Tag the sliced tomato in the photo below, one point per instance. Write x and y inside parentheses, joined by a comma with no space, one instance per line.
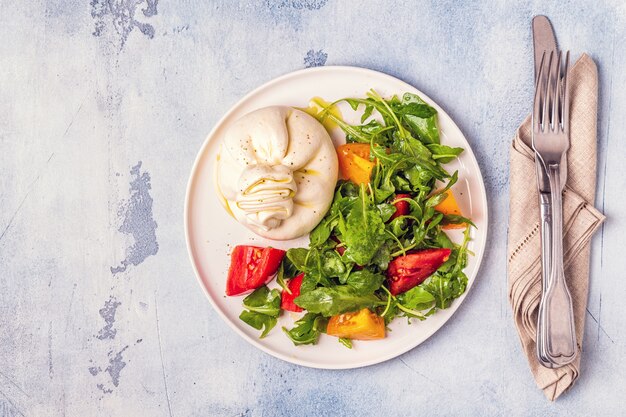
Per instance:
(251,267)
(410,270)
(402,207)
(286,299)
(362,325)
(354,162)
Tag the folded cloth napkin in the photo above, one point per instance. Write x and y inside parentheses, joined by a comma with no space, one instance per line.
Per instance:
(580,221)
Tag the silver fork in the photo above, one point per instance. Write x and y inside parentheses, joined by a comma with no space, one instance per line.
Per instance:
(556,340)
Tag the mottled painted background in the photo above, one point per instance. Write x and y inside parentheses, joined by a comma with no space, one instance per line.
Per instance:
(103,106)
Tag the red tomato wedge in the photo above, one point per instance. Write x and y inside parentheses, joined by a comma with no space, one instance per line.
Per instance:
(402,207)
(286,299)
(251,267)
(406,272)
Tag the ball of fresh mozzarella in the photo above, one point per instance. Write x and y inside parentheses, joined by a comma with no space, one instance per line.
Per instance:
(276,172)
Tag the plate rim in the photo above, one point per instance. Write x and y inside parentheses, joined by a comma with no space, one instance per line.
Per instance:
(192,179)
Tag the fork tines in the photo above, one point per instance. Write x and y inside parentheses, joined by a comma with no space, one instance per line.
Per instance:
(551,96)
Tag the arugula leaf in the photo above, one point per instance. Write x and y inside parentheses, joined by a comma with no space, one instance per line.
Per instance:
(410,146)
(383,184)
(436,199)
(446,288)
(411,98)
(349,189)
(298,257)
(456,219)
(443,241)
(344,199)
(307,329)
(383,256)
(391,310)
(442,153)
(365,281)
(289,269)
(385,110)
(368,133)
(421,110)
(462,255)
(424,128)
(330,301)
(346,342)
(418,178)
(367,113)
(386,211)
(364,231)
(400,225)
(417,298)
(263,308)
(434,221)
(333,266)
(280,278)
(440,195)
(263,301)
(322,231)
(314,270)
(259,321)
(309,283)
(413,154)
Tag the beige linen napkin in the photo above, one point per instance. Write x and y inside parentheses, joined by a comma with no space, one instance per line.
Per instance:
(580,221)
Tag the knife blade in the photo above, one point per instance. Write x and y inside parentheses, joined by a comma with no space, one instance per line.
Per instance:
(543,39)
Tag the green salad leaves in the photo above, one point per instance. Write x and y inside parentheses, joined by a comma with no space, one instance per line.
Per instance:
(263,309)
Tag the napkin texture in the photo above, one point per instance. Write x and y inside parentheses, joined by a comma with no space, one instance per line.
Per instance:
(580,221)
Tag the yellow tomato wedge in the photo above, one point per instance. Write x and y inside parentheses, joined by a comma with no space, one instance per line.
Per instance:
(362,325)
(450,206)
(354,162)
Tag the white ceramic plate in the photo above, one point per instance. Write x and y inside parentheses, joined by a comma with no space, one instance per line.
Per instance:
(211,233)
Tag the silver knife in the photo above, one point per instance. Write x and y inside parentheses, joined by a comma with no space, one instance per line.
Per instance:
(544,42)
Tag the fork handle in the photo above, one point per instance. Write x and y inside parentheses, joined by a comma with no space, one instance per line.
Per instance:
(545,205)
(556,306)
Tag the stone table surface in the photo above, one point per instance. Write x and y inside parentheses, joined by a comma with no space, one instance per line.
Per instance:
(103,107)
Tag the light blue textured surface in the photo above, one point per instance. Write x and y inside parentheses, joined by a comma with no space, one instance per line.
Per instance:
(103,106)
